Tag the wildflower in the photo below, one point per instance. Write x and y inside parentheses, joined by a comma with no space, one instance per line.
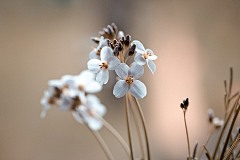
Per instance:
(129,81)
(95,53)
(142,56)
(101,67)
(217,122)
(87,112)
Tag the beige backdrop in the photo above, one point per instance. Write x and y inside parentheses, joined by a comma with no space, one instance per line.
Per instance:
(196,42)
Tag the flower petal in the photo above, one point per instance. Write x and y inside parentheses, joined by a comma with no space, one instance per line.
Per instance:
(151,66)
(55,83)
(100,109)
(93,54)
(84,77)
(92,87)
(120,88)
(122,70)
(77,117)
(113,62)
(94,124)
(93,99)
(44,111)
(102,76)
(139,59)
(153,56)
(138,89)
(93,65)
(139,45)
(106,52)
(136,71)
(102,43)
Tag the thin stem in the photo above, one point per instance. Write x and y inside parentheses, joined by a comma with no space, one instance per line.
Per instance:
(144,126)
(230,82)
(209,155)
(128,126)
(137,125)
(115,134)
(184,113)
(225,125)
(229,131)
(206,139)
(102,143)
(234,145)
(126,59)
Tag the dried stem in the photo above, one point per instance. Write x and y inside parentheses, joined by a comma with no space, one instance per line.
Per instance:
(189,155)
(224,126)
(234,145)
(137,126)
(209,155)
(115,134)
(101,142)
(128,126)
(230,131)
(144,126)
(206,139)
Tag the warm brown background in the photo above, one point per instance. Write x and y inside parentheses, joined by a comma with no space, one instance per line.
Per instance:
(196,42)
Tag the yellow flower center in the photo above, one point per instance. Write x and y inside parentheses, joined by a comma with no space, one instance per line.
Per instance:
(129,80)
(104,65)
(145,55)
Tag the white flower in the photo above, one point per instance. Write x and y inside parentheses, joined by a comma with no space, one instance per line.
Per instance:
(87,112)
(142,56)
(94,54)
(46,101)
(101,67)
(130,82)
(86,82)
(217,122)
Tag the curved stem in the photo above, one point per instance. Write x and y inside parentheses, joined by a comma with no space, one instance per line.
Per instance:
(137,125)
(101,142)
(184,113)
(144,126)
(128,125)
(115,134)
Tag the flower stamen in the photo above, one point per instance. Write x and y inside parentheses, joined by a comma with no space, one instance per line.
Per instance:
(104,65)
(129,79)
(145,55)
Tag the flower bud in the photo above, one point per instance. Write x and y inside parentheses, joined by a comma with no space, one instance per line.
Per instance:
(110,30)
(116,51)
(210,115)
(95,39)
(114,27)
(182,106)
(127,41)
(132,50)
(120,46)
(110,44)
(186,102)
(120,35)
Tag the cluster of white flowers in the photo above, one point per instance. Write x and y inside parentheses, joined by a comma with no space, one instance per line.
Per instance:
(73,93)
(112,53)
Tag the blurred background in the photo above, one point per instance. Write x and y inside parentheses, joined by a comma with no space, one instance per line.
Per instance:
(196,42)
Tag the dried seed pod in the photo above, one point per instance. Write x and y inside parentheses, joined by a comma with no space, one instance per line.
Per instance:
(186,102)
(182,106)
(132,50)
(115,29)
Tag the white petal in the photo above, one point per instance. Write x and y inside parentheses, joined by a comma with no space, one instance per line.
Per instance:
(77,117)
(106,52)
(153,56)
(151,66)
(93,65)
(93,54)
(102,76)
(102,43)
(138,89)
(139,59)
(93,99)
(68,80)
(122,70)
(55,83)
(44,111)
(84,77)
(92,87)
(94,124)
(139,46)
(136,71)
(120,88)
(100,109)
(113,62)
